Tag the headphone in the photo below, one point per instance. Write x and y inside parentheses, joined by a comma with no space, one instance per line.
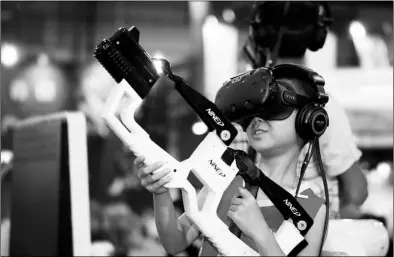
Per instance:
(261,93)
(311,122)
(320,29)
(267,29)
(312,119)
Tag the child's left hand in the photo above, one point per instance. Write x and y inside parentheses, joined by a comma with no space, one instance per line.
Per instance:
(246,213)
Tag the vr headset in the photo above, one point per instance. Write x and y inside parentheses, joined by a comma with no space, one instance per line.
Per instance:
(257,93)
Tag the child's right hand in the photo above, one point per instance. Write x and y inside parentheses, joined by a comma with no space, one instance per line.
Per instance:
(152,179)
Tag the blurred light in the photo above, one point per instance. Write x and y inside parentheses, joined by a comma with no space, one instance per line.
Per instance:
(39,89)
(220,44)
(9,55)
(211,21)
(45,90)
(157,63)
(96,81)
(43,59)
(102,248)
(384,170)
(19,90)
(361,42)
(158,66)
(6,156)
(248,67)
(357,29)
(228,15)
(198,9)
(199,128)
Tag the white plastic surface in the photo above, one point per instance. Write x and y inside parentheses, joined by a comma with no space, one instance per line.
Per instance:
(205,162)
(357,237)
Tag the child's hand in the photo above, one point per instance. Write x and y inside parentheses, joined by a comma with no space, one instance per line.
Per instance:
(246,213)
(151,177)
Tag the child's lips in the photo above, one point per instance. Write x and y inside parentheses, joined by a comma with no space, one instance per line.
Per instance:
(259,132)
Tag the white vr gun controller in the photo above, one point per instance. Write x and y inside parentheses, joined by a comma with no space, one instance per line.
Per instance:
(205,162)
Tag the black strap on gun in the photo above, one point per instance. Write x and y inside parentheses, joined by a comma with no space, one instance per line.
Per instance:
(288,206)
(205,109)
(115,55)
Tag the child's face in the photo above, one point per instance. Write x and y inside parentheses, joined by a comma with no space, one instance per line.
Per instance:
(272,137)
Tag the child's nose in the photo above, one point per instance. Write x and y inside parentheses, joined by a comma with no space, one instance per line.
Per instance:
(257,120)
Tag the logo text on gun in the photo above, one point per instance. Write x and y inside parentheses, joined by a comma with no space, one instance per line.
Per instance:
(214,117)
(216,168)
(292,209)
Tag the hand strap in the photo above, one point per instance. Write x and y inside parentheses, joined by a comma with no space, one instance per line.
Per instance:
(244,165)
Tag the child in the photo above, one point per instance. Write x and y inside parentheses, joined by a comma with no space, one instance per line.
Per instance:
(279,146)
(341,157)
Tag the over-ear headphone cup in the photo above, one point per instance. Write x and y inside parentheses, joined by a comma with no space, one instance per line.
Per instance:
(300,123)
(311,122)
(318,38)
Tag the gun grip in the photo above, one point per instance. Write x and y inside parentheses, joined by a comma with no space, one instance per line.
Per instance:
(253,189)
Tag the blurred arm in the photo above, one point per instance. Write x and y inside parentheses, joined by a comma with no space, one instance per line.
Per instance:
(174,236)
(341,156)
(353,191)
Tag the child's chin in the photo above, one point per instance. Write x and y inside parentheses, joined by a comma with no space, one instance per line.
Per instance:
(264,148)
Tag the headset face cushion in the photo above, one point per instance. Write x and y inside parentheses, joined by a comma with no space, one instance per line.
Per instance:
(280,112)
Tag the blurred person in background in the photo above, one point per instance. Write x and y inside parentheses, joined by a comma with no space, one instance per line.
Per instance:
(122,226)
(281,32)
(101,142)
(130,233)
(101,243)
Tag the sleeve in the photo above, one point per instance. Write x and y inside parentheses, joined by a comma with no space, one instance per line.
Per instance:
(338,146)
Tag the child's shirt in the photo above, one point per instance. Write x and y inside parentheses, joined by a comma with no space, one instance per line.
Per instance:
(308,200)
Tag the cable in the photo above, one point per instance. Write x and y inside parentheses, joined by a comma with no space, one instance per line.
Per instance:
(323,175)
(307,159)
(314,148)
